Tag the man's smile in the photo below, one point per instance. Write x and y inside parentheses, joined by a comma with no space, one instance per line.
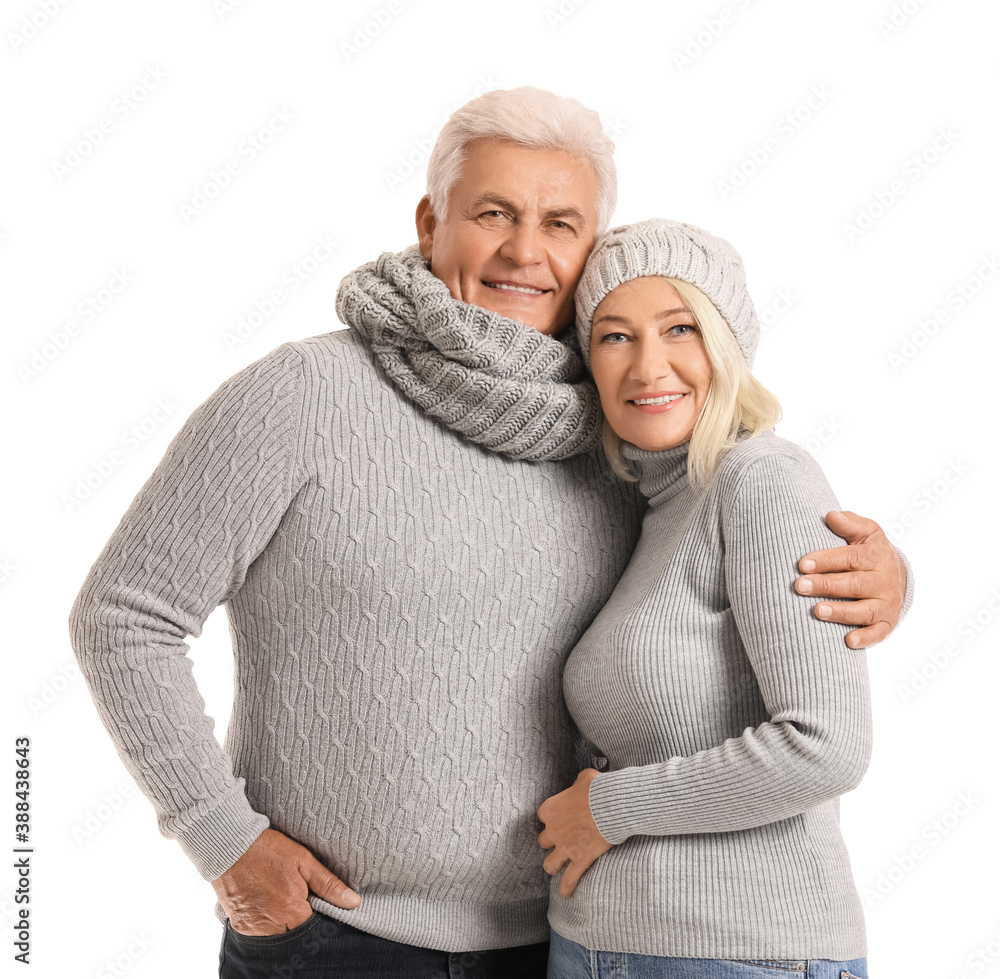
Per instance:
(514,287)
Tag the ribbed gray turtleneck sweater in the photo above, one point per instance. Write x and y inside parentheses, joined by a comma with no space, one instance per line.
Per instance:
(732,720)
(401,602)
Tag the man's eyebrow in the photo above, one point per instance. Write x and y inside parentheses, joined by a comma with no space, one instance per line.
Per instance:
(494,199)
(503,203)
(612,318)
(567,212)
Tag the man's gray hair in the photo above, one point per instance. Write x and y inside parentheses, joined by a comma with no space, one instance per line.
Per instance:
(530,117)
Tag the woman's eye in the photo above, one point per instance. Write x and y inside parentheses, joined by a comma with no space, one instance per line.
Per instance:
(682,330)
(613,338)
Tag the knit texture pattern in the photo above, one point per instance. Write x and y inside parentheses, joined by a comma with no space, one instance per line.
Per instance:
(671,248)
(491,379)
(732,721)
(401,602)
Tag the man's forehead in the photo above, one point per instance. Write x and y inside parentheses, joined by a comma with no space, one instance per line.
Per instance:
(523,177)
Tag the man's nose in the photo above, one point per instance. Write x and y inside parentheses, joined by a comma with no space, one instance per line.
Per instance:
(522,245)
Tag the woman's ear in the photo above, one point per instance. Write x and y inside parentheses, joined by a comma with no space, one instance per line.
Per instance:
(426,223)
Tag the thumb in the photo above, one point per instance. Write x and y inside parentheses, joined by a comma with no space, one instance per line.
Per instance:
(850,526)
(327,885)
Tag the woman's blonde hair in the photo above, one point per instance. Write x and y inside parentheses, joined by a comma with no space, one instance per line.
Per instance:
(737,402)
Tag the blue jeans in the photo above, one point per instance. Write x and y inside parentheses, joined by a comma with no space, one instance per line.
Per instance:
(569,960)
(323,948)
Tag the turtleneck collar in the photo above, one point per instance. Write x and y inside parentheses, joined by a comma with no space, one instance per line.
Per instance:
(662,475)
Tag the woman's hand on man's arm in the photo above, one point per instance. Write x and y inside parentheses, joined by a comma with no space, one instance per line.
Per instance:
(866,569)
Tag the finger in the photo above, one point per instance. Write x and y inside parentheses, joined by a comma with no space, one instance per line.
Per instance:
(869,636)
(553,862)
(570,879)
(851,526)
(871,615)
(545,840)
(847,557)
(864,613)
(328,886)
(849,584)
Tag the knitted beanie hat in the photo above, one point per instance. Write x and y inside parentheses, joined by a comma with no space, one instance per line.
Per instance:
(662,247)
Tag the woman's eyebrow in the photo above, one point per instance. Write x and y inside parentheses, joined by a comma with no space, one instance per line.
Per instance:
(613,318)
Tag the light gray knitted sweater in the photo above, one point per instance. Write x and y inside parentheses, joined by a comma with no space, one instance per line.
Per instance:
(401,602)
(732,720)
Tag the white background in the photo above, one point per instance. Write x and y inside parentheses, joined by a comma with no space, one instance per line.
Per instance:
(902,420)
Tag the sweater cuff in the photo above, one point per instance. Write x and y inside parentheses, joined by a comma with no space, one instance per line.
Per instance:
(222,835)
(908,597)
(613,803)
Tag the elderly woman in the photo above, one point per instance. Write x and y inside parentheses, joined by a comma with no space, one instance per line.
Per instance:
(732,720)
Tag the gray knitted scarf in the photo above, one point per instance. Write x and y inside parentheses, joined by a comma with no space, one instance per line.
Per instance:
(497,382)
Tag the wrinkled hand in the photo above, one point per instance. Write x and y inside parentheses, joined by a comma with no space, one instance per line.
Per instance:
(571,830)
(266,891)
(866,569)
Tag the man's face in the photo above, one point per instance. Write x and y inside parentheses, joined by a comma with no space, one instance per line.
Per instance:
(521,223)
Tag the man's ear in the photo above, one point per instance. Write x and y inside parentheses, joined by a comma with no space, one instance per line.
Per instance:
(426,223)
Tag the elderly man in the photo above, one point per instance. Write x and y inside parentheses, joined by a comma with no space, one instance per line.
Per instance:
(410,525)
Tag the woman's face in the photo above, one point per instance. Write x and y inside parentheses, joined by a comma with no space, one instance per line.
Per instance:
(650,364)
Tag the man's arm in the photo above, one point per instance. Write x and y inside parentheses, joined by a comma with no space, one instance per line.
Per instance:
(867,569)
(185,546)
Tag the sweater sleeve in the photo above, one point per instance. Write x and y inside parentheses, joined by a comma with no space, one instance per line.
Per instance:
(184,547)
(817,743)
(908,597)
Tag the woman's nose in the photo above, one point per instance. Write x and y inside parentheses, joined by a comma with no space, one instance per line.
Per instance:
(650,361)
